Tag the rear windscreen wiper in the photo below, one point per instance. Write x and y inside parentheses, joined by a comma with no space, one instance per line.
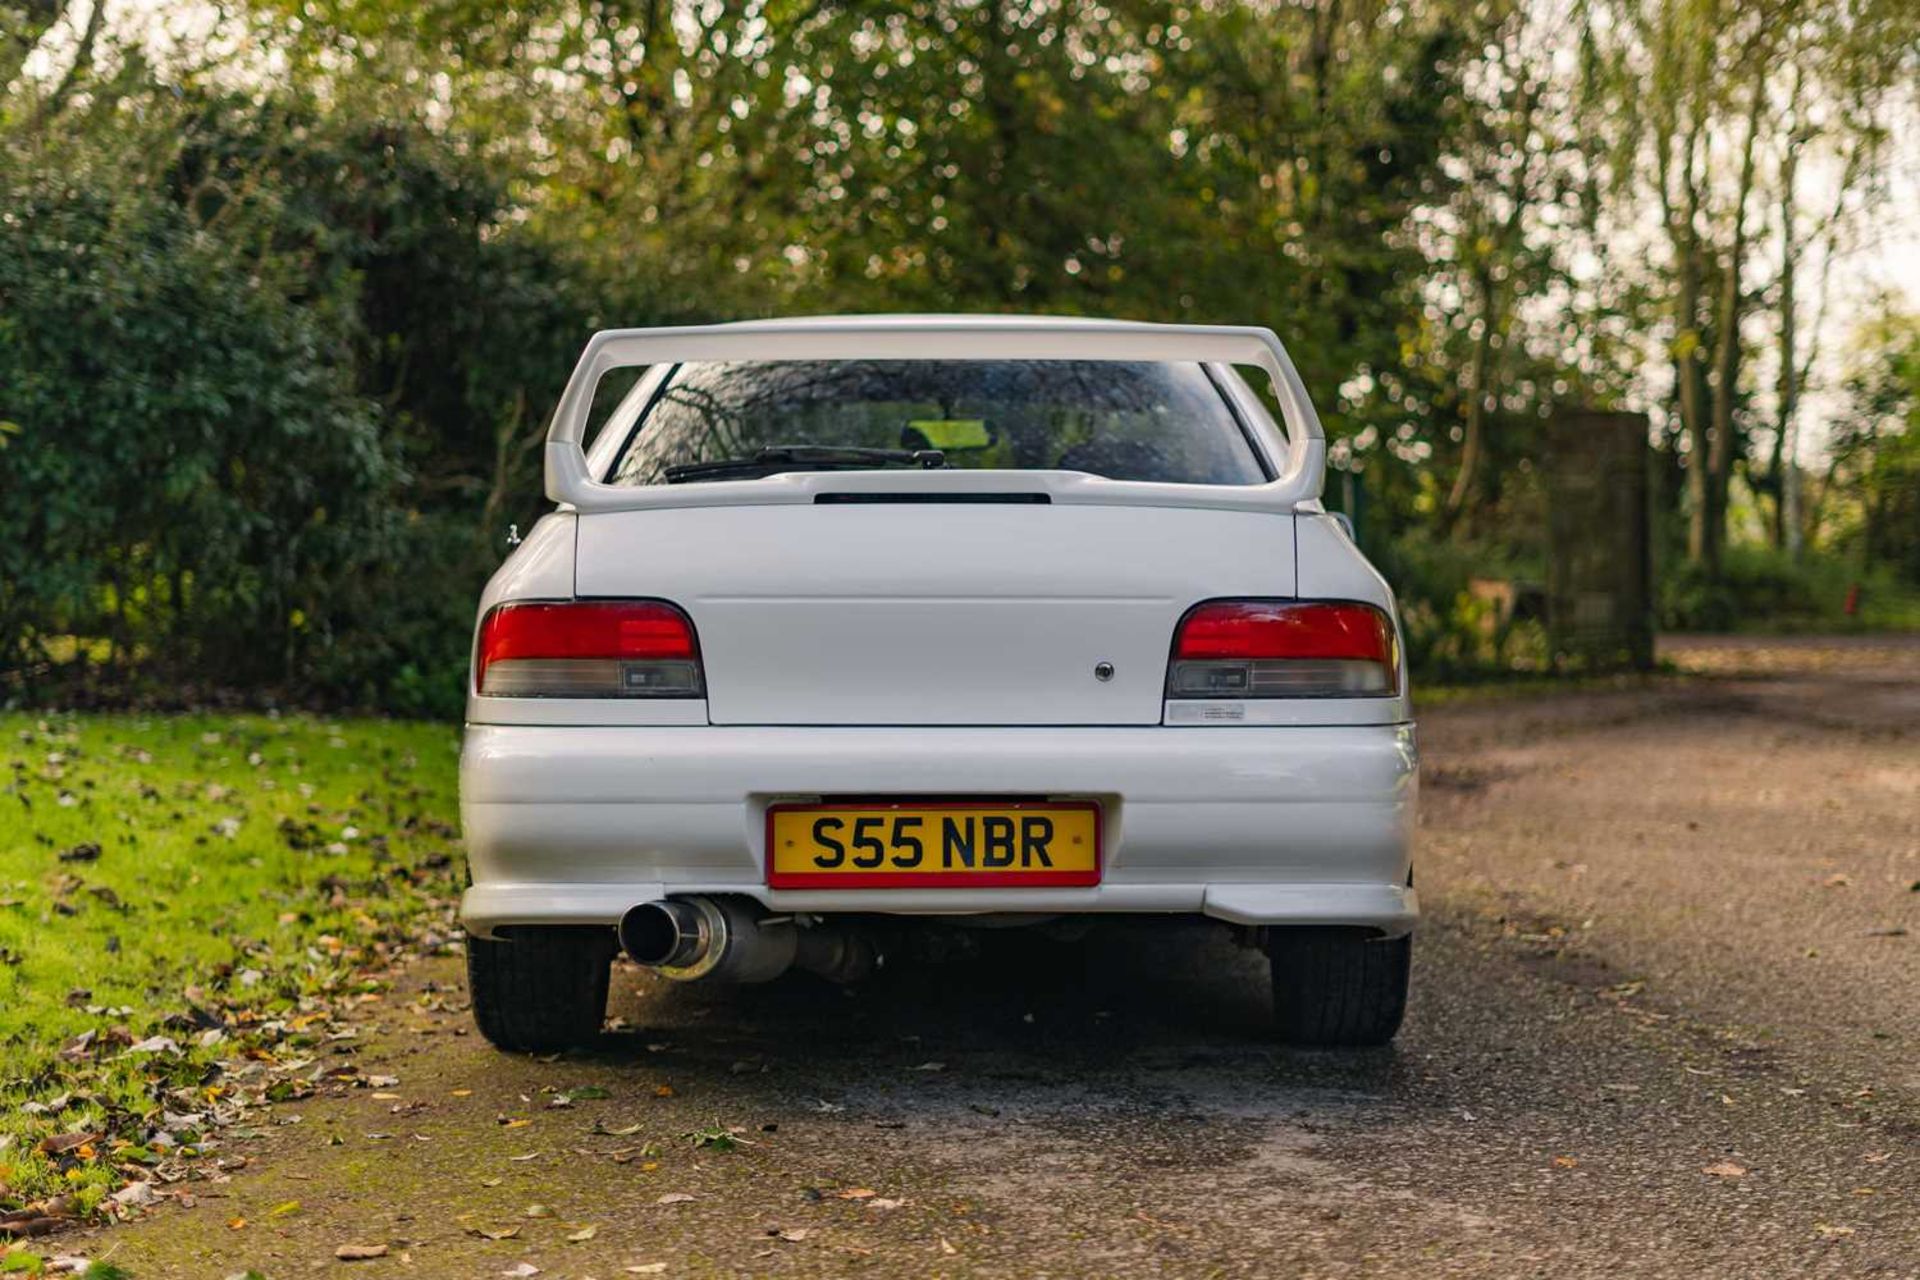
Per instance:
(776,458)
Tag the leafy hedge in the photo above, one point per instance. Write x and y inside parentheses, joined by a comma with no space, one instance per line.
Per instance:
(193,465)
(1764,590)
(267,389)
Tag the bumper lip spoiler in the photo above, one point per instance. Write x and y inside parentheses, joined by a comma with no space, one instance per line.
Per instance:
(1392,909)
(1300,457)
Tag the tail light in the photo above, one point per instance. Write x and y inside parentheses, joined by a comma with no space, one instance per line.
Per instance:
(588,649)
(1283,649)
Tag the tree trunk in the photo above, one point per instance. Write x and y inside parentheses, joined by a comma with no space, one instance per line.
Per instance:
(1726,362)
(1683,229)
(512,442)
(1785,468)
(1473,430)
(1492,315)
(76,72)
(1320,59)
(27,23)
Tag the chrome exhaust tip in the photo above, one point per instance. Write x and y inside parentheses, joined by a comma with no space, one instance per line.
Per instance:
(733,940)
(667,934)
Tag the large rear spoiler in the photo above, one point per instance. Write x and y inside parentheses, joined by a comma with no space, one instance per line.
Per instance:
(1301,457)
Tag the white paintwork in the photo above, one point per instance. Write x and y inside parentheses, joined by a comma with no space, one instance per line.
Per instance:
(578,823)
(940,649)
(962,614)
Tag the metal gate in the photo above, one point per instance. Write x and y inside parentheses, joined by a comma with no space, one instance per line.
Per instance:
(1599,546)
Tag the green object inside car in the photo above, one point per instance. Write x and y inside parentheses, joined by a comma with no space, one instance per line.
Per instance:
(950,434)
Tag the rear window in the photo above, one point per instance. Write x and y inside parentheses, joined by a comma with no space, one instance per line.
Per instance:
(1126,421)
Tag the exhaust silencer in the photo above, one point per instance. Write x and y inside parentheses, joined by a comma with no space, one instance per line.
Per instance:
(733,940)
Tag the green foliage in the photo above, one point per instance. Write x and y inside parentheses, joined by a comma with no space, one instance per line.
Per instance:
(263,380)
(283,312)
(202,879)
(1454,632)
(1760,589)
(457,323)
(191,465)
(397,637)
(1874,506)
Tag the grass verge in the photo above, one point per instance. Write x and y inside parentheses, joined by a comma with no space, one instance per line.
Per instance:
(185,904)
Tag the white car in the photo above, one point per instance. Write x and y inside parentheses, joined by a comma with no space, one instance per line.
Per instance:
(848,626)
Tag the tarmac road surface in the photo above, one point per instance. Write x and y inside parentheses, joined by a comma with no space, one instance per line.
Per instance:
(1666,1022)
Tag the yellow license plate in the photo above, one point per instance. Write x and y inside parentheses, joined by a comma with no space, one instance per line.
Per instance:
(938,844)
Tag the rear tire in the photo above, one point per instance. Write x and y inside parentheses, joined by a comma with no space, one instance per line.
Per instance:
(1338,988)
(541,989)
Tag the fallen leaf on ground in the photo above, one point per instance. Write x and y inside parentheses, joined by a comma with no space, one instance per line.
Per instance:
(931,1066)
(539,1211)
(1830,1232)
(883,1203)
(521,1269)
(1725,1169)
(856,1193)
(794,1235)
(646,1269)
(154,1044)
(360,1252)
(583,1235)
(134,1194)
(674,1197)
(494,1233)
(61,1143)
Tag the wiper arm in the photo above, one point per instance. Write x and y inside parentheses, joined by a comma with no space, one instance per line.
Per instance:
(776,458)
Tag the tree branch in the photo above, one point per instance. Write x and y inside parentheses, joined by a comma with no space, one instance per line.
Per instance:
(82,63)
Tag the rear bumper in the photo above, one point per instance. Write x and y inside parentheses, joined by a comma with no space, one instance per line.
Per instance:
(1267,825)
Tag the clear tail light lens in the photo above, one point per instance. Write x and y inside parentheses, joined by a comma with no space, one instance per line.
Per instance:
(1284,649)
(588,649)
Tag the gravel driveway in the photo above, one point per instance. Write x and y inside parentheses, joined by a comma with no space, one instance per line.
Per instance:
(1666,1022)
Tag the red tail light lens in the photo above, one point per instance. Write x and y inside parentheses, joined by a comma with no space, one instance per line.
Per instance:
(1284,649)
(588,649)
